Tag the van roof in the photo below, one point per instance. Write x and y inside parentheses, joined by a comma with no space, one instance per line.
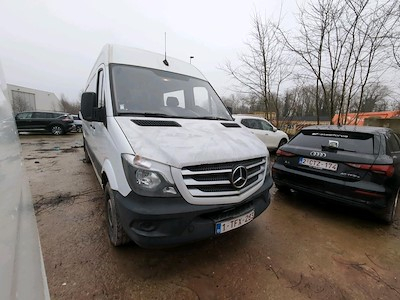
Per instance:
(137,57)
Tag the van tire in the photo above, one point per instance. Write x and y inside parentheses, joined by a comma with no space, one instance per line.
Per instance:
(116,233)
(390,213)
(87,158)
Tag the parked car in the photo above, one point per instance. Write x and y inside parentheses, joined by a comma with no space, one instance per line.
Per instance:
(355,165)
(173,164)
(55,122)
(77,123)
(264,130)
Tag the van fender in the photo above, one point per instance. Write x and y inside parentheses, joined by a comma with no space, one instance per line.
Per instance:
(108,170)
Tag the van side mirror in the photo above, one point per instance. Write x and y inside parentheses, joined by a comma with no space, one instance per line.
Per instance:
(88,103)
(274,129)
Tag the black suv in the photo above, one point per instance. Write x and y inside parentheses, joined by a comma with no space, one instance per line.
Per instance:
(356,165)
(55,122)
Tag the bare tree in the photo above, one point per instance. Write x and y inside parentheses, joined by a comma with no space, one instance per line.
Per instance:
(342,44)
(238,103)
(314,21)
(72,108)
(19,104)
(376,98)
(264,68)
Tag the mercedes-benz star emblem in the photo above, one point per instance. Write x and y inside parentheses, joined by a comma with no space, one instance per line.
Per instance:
(239,177)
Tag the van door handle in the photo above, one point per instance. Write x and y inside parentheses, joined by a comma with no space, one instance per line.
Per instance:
(92,126)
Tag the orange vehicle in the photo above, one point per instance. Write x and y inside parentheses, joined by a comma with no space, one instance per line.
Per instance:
(352,118)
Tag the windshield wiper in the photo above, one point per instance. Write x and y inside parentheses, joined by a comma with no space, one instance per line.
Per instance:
(146,114)
(330,148)
(161,115)
(211,118)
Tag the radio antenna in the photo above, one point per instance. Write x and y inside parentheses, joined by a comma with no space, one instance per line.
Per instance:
(165,61)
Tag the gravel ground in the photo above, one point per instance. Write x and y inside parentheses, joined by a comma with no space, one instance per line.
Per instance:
(300,248)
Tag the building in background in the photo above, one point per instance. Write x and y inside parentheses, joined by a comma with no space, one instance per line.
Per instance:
(358,119)
(27,99)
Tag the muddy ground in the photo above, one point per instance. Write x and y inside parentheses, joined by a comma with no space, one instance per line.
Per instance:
(300,248)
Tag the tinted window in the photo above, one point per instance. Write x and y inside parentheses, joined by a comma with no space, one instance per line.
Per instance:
(252,123)
(43,115)
(351,141)
(266,126)
(393,143)
(100,94)
(25,115)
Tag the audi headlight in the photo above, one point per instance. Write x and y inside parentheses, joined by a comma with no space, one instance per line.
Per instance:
(147,177)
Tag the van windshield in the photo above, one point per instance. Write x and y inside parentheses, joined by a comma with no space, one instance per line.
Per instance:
(150,92)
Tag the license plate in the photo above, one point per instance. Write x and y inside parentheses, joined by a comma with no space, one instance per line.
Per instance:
(318,164)
(231,224)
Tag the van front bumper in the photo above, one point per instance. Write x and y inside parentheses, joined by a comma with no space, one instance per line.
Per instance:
(167,222)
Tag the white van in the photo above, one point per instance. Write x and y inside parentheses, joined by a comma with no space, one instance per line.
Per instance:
(174,165)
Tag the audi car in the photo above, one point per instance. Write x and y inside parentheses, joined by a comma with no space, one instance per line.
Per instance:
(355,165)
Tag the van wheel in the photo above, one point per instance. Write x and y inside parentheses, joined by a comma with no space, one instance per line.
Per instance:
(116,233)
(57,130)
(390,213)
(87,158)
(282,142)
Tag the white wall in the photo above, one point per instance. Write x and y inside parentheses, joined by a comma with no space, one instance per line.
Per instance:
(38,100)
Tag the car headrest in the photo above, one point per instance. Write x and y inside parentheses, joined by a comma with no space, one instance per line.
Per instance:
(172,101)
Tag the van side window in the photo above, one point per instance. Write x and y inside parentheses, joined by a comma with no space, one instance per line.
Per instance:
(99,91)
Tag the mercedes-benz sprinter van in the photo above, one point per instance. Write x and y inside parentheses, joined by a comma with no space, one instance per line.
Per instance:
(173,164)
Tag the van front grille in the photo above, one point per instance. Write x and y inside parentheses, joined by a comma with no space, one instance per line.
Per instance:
(215,180)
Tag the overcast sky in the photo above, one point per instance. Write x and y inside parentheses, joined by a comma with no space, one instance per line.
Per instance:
(52,45)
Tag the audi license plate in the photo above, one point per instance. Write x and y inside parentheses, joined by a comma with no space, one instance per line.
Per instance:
(318,164)
(231,224)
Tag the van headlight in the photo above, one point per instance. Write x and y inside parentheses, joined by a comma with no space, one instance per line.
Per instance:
(147,177)
(269,166)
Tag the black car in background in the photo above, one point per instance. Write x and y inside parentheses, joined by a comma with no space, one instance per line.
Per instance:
(55,122)
(356,165)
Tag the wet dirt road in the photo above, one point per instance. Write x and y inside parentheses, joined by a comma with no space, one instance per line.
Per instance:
(300,248)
